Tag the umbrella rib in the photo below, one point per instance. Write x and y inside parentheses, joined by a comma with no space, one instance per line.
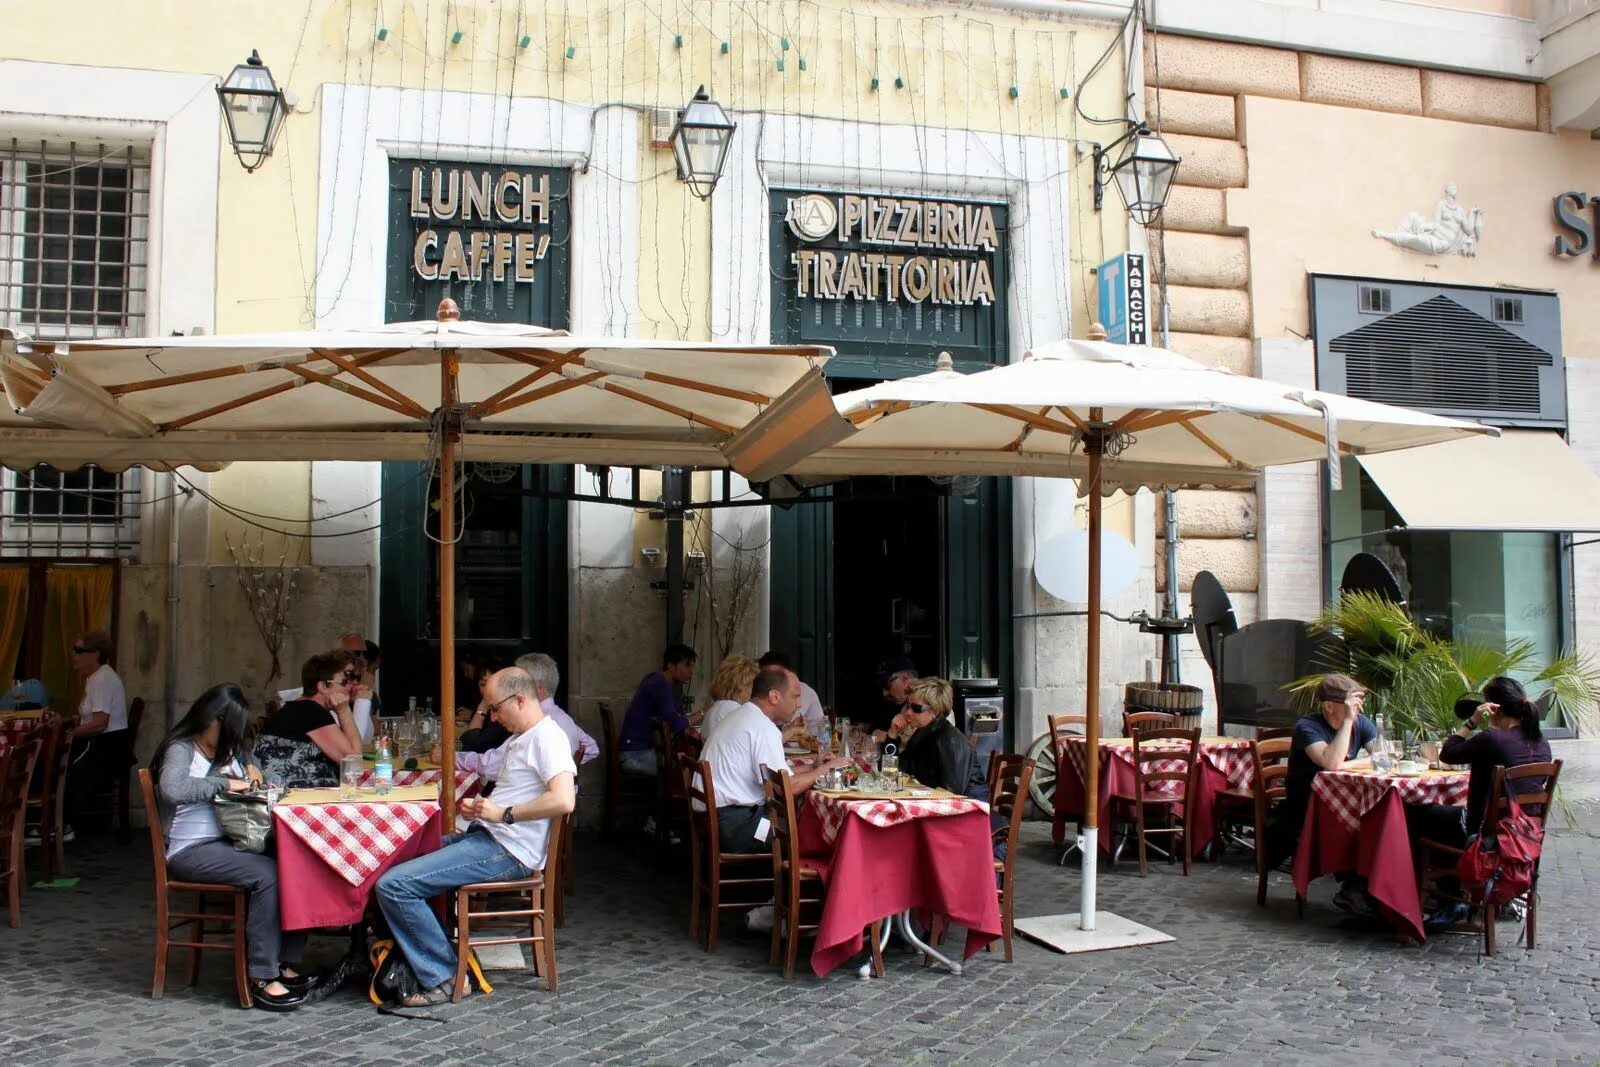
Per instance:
(415,409)
(360,360)
(547,365)
(1077,422)
(866,415)
(1127,421)
(704,387)
(201,416)
(488,405)
(1284,424)
(672,409)
(538,394)
(356,391)
(1164,419)
(1209,443)
(1038,422)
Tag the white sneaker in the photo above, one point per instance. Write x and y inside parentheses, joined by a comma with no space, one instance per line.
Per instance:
(1513,912)
(31,839)
(759,920)
(67,836)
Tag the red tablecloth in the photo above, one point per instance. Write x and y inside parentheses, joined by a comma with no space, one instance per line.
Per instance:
(943,865)
(311,893)
(1357,822)
(1220,768)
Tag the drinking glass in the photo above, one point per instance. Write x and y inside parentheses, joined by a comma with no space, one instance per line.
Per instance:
(1382,757)
(405,740)
(1429,751)
(274,788)
(350,768)
(890,764)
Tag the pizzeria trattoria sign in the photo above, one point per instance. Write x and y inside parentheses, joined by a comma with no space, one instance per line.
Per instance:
(884,248)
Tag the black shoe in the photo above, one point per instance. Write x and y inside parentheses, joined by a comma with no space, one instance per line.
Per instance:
(276,1001)
(300,983)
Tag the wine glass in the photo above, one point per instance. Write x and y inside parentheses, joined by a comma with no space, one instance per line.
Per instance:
(1382,756)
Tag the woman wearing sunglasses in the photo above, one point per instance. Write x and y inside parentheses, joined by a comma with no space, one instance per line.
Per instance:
(934,752)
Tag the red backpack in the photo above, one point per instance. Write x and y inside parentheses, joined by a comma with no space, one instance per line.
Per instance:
(1500,864)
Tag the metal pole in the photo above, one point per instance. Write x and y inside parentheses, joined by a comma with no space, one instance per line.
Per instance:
(674,494)
(1170,669)
(1093,446)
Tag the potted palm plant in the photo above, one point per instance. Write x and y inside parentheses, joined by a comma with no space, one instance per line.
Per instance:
(1413,678)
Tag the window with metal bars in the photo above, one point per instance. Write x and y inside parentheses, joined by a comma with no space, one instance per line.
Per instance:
(74,238)
(85,512)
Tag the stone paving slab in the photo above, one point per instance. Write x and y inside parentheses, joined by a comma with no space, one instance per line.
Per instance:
(1240,984)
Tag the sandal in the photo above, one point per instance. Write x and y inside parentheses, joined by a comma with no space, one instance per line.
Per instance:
(439,994)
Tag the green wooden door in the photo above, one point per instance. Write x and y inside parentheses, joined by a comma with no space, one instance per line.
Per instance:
(801,584)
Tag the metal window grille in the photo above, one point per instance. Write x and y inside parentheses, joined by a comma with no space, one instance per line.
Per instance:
(1507,309)
(1375,300)
(74,238)
(86,512)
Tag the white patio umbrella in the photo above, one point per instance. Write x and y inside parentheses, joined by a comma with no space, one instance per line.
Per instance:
(447,391)
(1113,417)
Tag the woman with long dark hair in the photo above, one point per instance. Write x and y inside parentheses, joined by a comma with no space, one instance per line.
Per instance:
(202,756)
(1503,732)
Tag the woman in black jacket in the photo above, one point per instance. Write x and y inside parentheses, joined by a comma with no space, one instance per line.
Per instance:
(933,751)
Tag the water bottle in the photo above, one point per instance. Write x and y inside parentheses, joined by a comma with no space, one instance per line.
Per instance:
(824,740)
(844,750)
(383,769)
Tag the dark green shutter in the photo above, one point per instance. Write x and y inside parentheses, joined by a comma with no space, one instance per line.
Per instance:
(801,586)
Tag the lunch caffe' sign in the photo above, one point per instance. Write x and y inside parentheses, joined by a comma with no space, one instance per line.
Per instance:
(886,248)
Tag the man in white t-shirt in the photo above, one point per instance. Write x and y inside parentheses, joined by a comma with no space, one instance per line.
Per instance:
(101,746)
(746,744)
(810,709)
(507,837)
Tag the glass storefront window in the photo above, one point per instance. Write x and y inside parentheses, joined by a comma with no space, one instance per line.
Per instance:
(1488,588)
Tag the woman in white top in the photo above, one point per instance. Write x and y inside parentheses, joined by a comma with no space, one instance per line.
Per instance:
(730,687)
(203,756)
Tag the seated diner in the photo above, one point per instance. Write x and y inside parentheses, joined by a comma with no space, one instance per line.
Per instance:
(304,740)
(932,750)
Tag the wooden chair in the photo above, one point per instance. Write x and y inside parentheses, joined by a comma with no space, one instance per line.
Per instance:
(713,869)
(1047,778)
(46,808)
(798,891)
(1271,781)
(475,905)
(1009,799)
(124,774)
(1133,721)
(562,889)
(1164,746)
(623,791)
(1269,733)
(16,771)
(1435,859)
(227,923)
(669,784)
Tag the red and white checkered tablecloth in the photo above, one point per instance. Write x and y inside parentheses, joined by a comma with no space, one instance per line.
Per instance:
(466,781)
(831,811)
(13,728)
(1229,755)
(1348,794)
(355,838)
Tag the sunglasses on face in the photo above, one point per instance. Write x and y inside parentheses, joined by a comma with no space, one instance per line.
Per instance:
(918,707)
(78,650)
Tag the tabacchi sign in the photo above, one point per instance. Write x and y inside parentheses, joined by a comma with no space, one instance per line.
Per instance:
(484,223)
(893,249)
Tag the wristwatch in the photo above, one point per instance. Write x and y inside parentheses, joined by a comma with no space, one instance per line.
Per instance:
(507,817)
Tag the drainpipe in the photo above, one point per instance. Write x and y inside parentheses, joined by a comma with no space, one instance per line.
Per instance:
(173,598)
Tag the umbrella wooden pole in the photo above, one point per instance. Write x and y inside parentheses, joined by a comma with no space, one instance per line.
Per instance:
(1094,445)
(447,580)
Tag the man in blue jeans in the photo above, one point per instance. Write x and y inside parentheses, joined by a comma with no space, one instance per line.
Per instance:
(507,837)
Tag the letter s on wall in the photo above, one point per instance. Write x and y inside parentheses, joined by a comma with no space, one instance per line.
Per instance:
(1579,235)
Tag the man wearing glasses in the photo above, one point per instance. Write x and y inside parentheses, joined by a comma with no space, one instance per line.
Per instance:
(507,837)
(100,742)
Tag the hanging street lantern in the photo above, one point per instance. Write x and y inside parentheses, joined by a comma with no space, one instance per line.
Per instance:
(254,108)
(1144,172)
(700,142)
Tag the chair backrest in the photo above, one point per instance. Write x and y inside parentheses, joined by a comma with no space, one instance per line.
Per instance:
(16,771)
(1535,802)
(1008,796)
(697,786)
(158,841)
(1164,746)
(1134,721)
(780,812)
(691,743)
(1271,760)
(135,717)
(52,767)
(608,728)
(1061,728)
(1268,733)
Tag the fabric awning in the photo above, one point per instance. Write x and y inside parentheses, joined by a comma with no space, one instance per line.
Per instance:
(1521,481)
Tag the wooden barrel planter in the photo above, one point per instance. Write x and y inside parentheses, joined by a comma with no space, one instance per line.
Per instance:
(1185,701)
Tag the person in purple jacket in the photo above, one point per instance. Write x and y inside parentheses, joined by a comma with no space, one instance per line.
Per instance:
(655,700)
(1508,735)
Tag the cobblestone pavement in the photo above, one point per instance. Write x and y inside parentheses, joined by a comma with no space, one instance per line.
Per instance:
(1240,984)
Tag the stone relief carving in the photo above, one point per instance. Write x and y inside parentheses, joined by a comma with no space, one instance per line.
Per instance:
(1453,231)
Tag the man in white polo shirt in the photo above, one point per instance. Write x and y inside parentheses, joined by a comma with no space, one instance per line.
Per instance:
(746,744)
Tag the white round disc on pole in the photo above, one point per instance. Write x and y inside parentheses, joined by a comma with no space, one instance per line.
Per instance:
(1062,565)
